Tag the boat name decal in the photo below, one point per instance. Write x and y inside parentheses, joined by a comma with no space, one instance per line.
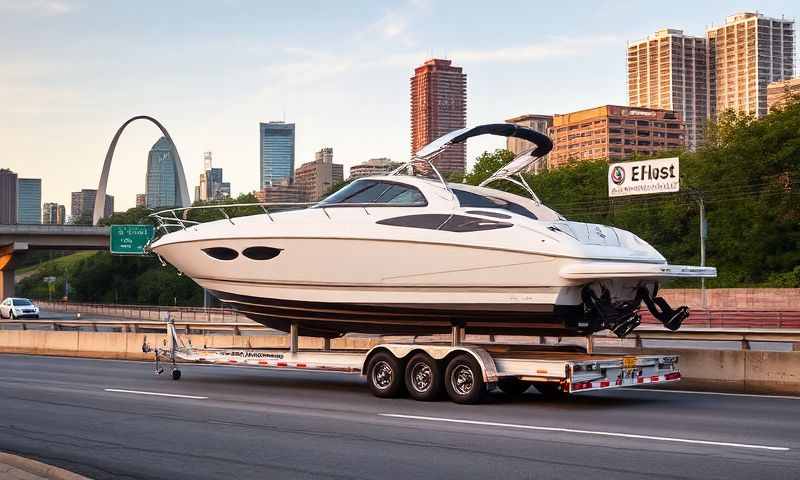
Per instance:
(276,356)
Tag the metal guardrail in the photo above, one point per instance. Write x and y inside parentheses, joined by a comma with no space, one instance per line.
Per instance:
(742,336)
(148,312)
(716,318)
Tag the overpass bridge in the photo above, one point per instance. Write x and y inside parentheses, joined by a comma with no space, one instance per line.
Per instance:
(15,240)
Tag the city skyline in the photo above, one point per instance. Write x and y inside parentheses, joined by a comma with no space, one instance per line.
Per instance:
(339,88)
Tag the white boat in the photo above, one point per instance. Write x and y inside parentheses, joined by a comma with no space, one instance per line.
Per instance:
(406,254)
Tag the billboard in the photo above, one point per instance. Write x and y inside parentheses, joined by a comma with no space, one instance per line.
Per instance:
(644,177)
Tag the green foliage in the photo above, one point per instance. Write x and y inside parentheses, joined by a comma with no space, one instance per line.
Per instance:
(747,175)
(132,216)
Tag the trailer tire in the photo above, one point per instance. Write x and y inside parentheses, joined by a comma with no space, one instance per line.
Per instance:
(176,374)
(551,391)
(385,375)
(463,380)
(513,386)
(423,378)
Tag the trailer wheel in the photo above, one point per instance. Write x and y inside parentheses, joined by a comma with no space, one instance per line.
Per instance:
(176,374)
(513,386)
(463,380)
(551,391)
(424,378)
(385,375)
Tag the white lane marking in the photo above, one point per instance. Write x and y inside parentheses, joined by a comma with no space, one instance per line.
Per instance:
(587,432)
(692,392)
(156,394)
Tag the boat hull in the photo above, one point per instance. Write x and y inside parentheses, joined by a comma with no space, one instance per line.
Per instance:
(325,319)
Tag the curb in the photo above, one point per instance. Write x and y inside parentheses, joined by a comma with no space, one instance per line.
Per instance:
(38,468)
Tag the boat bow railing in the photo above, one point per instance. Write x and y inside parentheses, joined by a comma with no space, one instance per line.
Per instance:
(173,219)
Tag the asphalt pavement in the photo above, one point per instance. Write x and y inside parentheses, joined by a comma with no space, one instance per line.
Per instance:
(115,419)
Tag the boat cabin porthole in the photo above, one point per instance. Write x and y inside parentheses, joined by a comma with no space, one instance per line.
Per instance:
(261,253)
(221,253)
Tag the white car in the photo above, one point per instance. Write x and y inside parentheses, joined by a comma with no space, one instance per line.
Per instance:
(18,308)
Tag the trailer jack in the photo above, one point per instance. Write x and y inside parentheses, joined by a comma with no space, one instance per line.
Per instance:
(166,352)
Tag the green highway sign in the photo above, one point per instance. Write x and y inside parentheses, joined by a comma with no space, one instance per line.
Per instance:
(130,239)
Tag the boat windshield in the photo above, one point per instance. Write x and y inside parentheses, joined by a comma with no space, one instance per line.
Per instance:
(376,192)
(469,199)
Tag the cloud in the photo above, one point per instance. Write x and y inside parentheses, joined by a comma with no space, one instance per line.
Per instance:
(46,8)
(555,47)
(395,23)
(307,67)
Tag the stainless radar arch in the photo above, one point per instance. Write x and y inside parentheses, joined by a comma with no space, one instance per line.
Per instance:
(100,199)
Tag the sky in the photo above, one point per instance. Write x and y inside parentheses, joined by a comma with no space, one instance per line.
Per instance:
(72,71)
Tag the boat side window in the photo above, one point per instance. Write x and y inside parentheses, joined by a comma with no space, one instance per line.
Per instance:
(469,199)
(377,192)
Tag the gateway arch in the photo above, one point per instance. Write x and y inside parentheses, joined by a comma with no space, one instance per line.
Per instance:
(100,199)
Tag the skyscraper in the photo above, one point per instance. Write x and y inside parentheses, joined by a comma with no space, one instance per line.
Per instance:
(141,200)
(161,186)
(29,200)
(745,55)
(8,197)
(669,71)
(439,106)
(53,214)
(211,186)
(277,152)
(82,206)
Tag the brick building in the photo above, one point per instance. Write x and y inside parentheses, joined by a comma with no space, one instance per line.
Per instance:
(614,132)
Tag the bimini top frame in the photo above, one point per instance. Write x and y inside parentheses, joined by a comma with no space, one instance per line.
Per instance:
(543,146)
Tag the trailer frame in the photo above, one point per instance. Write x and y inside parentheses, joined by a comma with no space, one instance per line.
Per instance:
(464,370)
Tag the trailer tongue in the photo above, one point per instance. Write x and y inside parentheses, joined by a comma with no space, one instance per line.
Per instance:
(426,370)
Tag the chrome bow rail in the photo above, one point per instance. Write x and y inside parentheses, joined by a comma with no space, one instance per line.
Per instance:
(173,219)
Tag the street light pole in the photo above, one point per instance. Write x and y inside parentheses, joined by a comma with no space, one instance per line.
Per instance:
(703,235)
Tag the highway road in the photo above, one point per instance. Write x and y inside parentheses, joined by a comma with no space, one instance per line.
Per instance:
(115,419)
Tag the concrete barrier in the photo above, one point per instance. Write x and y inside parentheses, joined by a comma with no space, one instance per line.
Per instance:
(715,370)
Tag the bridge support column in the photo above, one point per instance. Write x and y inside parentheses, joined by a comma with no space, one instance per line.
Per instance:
(7,267)
(6,283)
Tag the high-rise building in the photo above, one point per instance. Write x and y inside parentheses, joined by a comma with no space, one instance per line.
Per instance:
(669,71)
(439,106)
(207,160)
(277,152)
(614,132)
(315,179)
(82,206)
(53,214)
(8,197)
(141,200)
(161,186)
(746,54)
(373,166)
(779,92)
(29,201)
(211,186)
